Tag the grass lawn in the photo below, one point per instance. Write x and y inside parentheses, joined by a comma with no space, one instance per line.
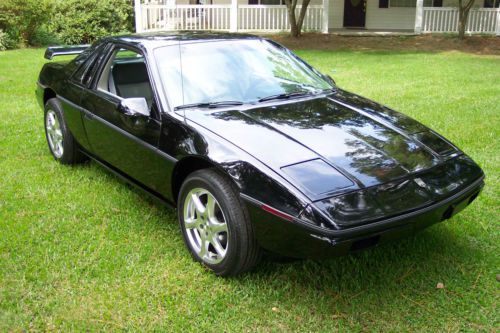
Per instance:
(79,250)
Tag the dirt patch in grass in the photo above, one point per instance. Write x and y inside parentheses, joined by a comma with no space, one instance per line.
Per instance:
(422,43)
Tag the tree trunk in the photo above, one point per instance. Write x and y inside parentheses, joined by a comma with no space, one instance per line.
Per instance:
(462,22)
(294,29)
(296,24)
(302,14)
(463,16)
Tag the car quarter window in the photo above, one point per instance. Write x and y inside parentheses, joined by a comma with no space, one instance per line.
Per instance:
(85,65)
(125,75)
(88,62)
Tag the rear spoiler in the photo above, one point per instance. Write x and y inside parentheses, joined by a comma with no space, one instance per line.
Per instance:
(53,51)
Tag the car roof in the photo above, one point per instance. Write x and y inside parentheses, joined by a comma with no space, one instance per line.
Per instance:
(157,39)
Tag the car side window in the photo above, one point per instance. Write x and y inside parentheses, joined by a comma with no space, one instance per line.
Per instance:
(125,75)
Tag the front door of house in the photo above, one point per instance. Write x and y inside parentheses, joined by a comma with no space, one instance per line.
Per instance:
(354,13)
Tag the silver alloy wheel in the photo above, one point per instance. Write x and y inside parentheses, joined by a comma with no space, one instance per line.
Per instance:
(205,226)
(54,133)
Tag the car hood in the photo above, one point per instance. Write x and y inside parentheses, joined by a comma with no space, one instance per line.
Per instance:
(359,140)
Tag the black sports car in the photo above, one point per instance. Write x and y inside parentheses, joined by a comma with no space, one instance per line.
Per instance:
(256,148)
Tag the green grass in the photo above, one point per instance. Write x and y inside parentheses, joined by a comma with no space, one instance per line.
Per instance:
(79,250)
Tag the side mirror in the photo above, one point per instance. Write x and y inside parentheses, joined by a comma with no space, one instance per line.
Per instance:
(134,107)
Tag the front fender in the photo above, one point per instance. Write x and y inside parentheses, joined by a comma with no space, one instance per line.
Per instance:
(253,178)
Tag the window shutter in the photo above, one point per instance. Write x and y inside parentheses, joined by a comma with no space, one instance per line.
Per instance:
(383,3)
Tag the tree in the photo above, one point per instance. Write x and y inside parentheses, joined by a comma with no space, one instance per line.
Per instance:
(464,7)
(20,20)
(77,21)
(296,24)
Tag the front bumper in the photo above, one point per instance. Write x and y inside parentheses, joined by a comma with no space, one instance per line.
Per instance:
(301,239)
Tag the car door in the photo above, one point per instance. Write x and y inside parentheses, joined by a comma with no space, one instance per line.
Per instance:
(71,91)
(128,143)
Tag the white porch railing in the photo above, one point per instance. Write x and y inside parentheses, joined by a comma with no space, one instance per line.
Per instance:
(275,18)
(185,17)
(221,17)
(445,19)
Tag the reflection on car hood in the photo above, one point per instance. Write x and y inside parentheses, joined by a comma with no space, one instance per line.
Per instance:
(368,143)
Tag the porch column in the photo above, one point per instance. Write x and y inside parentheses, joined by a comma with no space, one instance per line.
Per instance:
(419,16)
(138,15)
(233,16)
(326,8)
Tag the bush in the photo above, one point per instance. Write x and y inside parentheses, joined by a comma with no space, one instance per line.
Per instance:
(3,37)
(45,22)
(21,19)
(7,42)
(43,37)
(77,21)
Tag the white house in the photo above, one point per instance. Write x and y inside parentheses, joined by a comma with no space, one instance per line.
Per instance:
(419,16)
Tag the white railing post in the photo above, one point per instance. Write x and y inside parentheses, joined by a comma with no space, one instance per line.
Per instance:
(419,15)
(233,16)
(138,15)
(326,8)
(497,28)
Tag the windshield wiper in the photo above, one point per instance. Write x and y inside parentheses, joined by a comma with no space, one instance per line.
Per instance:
(285,95)
(211,105)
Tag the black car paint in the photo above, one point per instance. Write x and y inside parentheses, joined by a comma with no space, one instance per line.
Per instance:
(64,50)
(400,175)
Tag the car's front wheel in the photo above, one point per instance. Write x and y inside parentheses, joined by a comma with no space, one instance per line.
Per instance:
(61,143)
(215,224)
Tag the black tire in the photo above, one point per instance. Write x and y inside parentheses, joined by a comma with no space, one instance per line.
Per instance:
(242,251)
(70,152)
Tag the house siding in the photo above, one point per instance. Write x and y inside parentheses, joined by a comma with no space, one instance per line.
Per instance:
(395,18)
(336,14)
(381,19)
(454,3)
(392,18)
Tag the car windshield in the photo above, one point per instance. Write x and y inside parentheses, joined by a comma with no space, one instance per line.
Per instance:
(230,72)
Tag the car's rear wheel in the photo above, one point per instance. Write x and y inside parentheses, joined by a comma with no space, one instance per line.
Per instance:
(61,142)
(215,224)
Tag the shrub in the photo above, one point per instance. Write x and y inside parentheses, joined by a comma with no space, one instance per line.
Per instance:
(77,21)
(21,19)
(3,37)
(44,22)
(43,37)
(8,42)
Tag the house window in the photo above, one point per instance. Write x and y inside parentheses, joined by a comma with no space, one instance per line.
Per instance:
(266,2)
(491,3)
(383,4)
(409,3)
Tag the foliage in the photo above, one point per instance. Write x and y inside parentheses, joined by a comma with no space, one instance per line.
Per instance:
(77,21)
(3,40)
(79,251)
(44,22)
(44,37)
(21,19)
